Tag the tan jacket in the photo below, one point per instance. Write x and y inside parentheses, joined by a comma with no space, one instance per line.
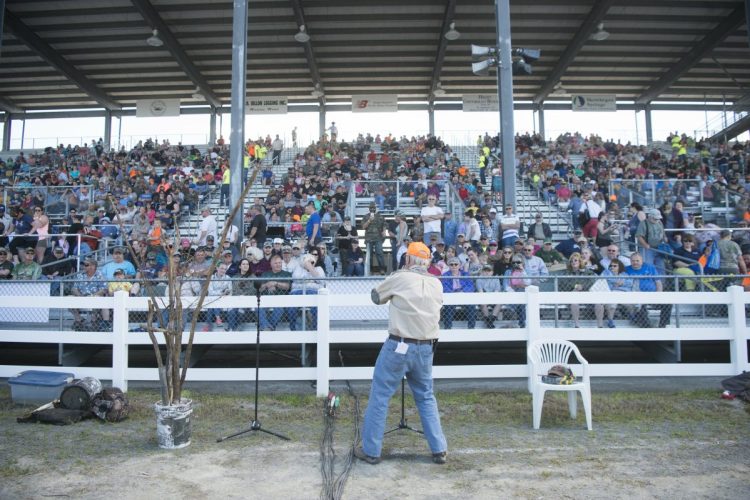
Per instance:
(416,299)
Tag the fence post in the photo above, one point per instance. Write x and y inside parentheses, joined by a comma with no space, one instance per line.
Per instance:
(738,345)
(533,321)
(323,356)
(119,341)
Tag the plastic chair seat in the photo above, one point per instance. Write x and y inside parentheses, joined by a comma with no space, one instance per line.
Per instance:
(543,355)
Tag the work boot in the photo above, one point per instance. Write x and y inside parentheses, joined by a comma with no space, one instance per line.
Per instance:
(360,454)
(440,458)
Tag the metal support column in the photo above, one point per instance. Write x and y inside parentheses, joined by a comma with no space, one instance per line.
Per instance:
(649,131)
(431,118)
(6,131)
(239,80)
(542,132)
(322,120)
(212,128)
(505,98)
(107,129)
(2,22)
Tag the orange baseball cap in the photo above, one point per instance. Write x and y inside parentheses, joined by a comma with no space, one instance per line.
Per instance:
(419,249)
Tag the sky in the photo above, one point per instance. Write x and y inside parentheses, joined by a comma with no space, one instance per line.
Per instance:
(455,127)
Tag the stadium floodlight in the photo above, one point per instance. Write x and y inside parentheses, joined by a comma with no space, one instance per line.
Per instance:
(482,68)
(479,52)
(301,36)
(438,91)
(452,33)
(521,68)
(528,55)
(600,34)
(154,39)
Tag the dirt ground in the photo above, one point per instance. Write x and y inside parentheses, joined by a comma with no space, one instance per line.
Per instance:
(682,444)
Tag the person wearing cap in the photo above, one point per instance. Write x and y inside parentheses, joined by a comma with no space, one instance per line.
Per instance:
(593,209)
(207,227)
(374,224)
(730,257)
(432,217)
(539,229)
(397,230)
(345,235)
(118,262)
(90,283)
(489,284)
(413,326)
(27,269)
(456,280)
(119,282)
(7,221)
(210,245)
(277,244)
(331,220)
(227,258)
(306,281)
(56,264)
(549,255)
(649,235)
(356,265)
(515,280)
(6,266)
(510,226)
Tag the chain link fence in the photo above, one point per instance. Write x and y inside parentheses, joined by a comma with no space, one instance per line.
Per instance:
(368,316)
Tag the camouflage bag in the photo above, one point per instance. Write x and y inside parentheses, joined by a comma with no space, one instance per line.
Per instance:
(111,405)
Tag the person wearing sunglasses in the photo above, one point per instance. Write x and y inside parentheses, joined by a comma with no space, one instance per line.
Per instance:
(456,280)
(577,279)
(503,262)
(617,282)
(515,280)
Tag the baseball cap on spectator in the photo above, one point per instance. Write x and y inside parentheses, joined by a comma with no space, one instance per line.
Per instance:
(418,249)
(118,271)
(29,250)
(486,267)
(210,237)
(346,217)
(56,250)
(654,212)
(483,237)
(151,256)
(118,250)
(286,249)
(226,252)
(548,241)
(185,242)
(295,218)
(460,235)
(493,210)
(493,242)
(278,240)
(267,244)
(577,231)
(399,213)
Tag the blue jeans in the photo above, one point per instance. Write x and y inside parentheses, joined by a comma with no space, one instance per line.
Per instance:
(390,368)
(375,249)
(469,313)
(270,318)
(293,312)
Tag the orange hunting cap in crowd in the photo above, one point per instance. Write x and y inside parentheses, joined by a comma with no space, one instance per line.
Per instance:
(418,249)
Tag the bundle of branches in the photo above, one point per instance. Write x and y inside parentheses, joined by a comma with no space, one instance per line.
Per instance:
(165,312)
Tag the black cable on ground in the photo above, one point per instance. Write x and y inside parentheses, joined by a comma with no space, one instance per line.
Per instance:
(333,485)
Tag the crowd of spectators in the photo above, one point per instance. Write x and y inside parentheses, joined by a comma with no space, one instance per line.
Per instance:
(137,196)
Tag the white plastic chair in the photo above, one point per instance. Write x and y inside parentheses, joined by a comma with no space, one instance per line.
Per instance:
(543,355)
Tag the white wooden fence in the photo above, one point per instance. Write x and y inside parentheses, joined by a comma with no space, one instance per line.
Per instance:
(735,331)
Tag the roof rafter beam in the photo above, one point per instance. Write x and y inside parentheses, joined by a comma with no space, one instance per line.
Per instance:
(9,107)
(437,68)
(593,18)
(299,16)
(702,49)
(46,52)
(152,17)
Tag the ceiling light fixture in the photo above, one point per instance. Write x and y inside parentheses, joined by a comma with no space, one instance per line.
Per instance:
(452,33)
(600,34)
(154,39)
(558,89)
(197,95)
(317,92)
(438,91)
(301,36)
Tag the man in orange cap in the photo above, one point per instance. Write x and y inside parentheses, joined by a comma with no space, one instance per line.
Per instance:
(415,298)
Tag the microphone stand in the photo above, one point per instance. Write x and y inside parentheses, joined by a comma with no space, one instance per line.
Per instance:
(403,424)
(255,424)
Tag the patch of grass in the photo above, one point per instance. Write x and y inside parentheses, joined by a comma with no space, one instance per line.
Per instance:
(10,468)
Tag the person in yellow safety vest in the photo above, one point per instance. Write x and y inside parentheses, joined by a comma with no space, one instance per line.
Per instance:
(676,141)
(261,152)
(224,198)
(482,168)
(682,151)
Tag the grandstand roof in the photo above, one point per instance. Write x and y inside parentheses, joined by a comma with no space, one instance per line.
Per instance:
(93,53)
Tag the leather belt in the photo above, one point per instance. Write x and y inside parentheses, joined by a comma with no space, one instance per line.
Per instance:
(411,341)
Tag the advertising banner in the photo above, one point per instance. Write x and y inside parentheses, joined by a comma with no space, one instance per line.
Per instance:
(594,102)
(266,105)
(150,108)
(480,102)
(375,103)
